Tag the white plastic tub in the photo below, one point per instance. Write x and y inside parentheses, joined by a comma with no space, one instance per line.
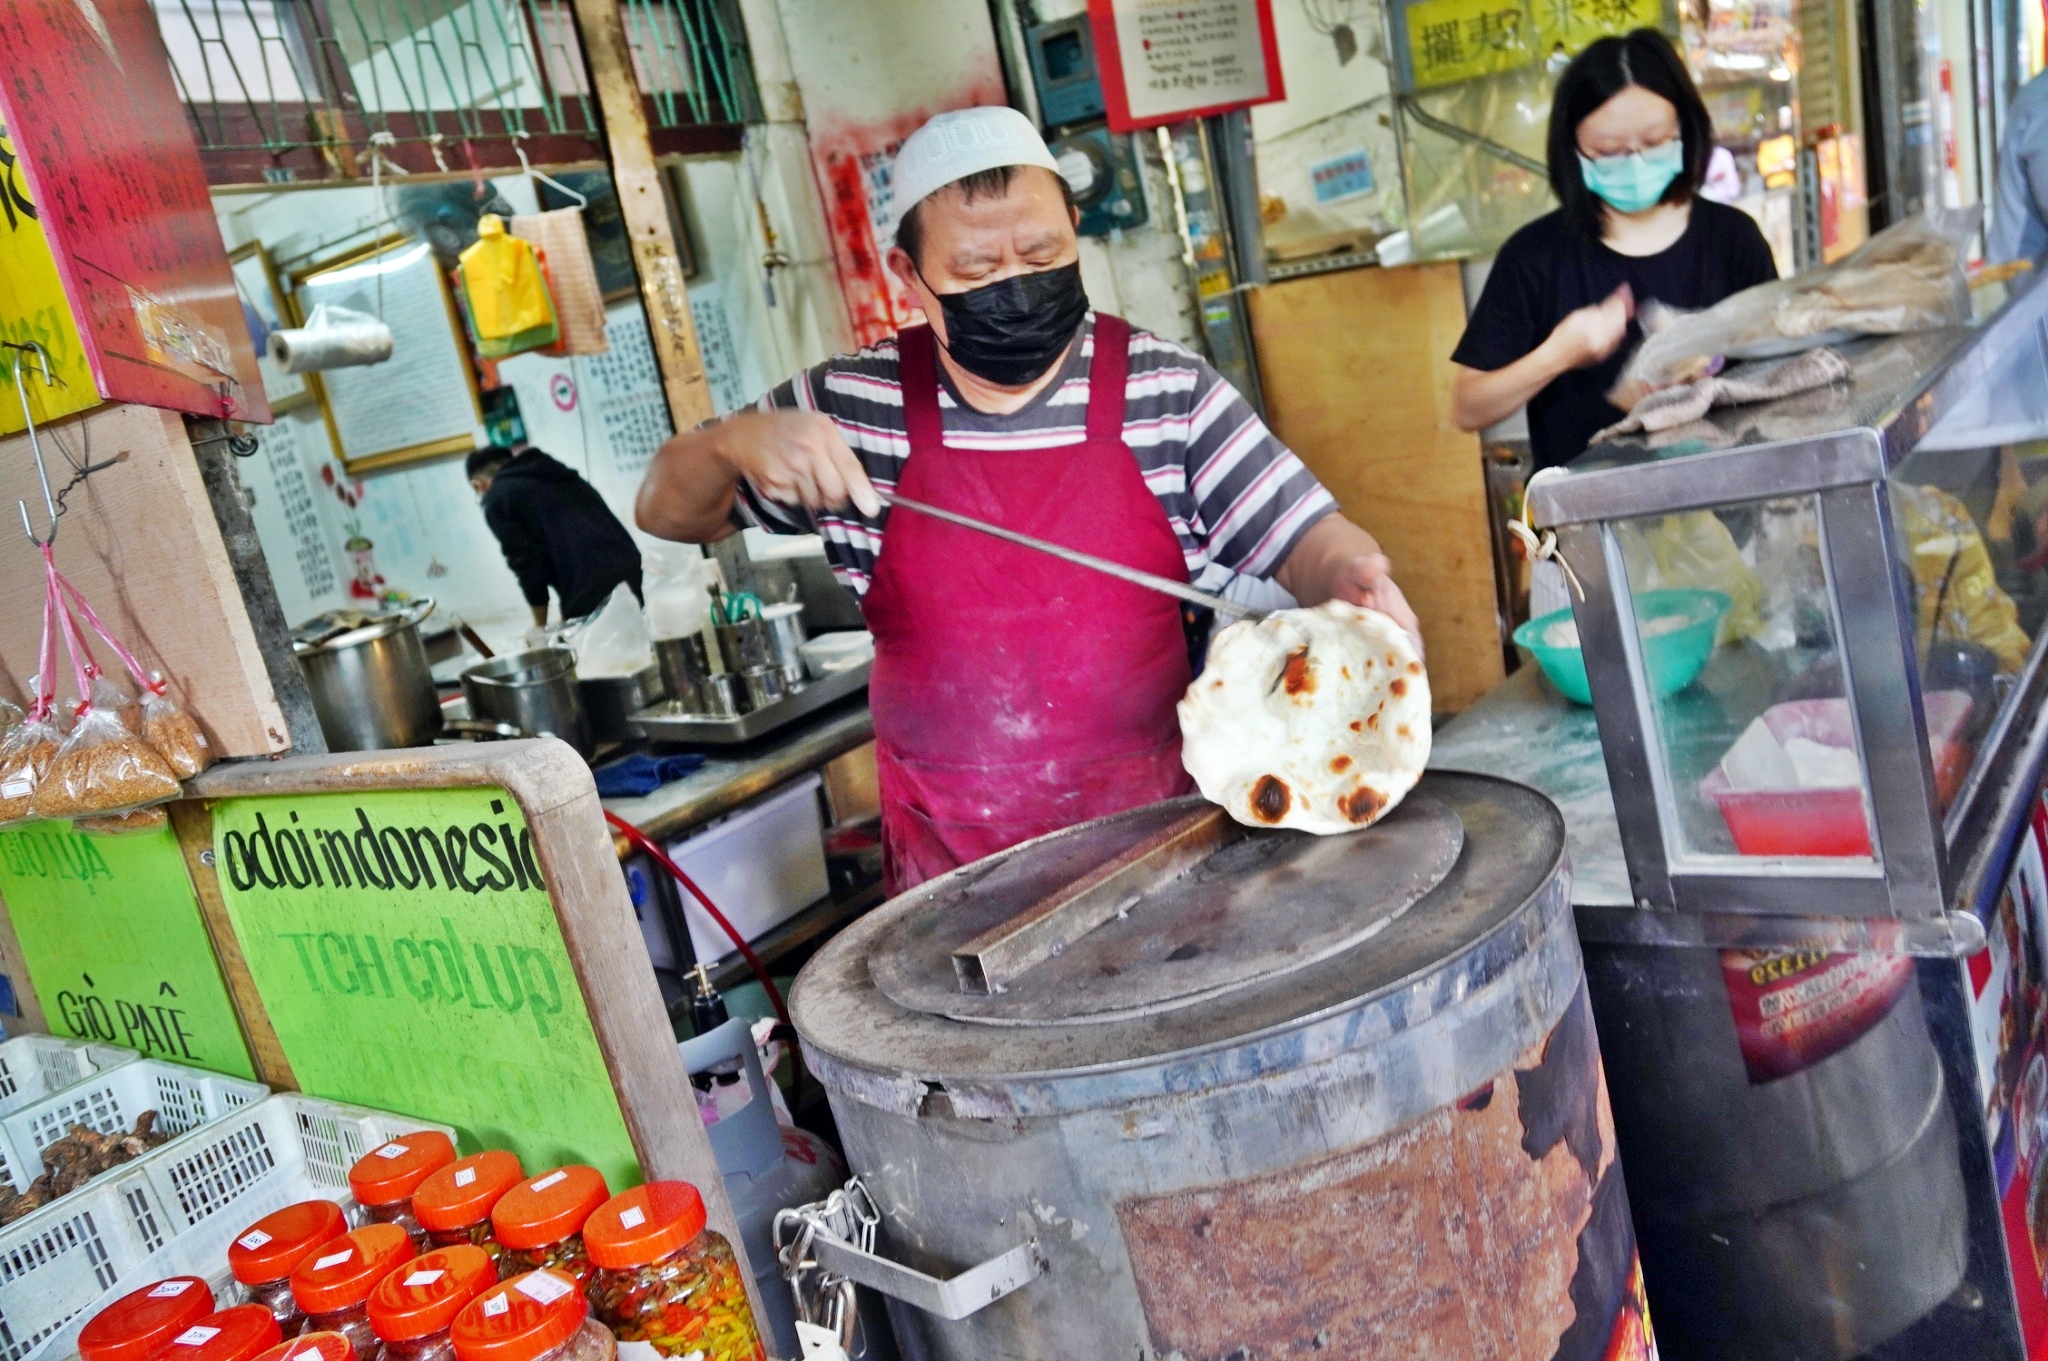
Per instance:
(174,1211)
(35,1066)
(109,1102)
(762,865)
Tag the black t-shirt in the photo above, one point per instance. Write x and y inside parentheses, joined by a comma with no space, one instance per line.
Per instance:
(1547,270)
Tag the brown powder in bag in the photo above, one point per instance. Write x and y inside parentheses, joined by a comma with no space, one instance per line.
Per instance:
(175,735)
(102,768)
(119,824)
(24,759)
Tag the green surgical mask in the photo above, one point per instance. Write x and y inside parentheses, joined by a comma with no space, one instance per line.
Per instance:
(1637,180)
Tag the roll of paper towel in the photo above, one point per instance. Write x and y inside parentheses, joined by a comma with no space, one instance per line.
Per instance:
(332,338)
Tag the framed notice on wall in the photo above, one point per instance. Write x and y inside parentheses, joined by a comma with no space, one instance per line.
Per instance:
(1161,61)
(420,403)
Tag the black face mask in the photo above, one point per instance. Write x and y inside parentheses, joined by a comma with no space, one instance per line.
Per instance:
(1011,331)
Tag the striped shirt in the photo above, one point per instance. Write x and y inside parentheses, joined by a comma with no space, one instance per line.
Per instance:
(1237,498)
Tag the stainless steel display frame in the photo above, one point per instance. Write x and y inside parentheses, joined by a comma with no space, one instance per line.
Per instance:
(1931,876)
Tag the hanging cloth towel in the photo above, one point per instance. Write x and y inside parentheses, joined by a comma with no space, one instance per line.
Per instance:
(507,299)
(571,277)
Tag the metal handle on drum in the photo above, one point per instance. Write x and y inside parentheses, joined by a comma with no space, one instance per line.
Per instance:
(952,1299)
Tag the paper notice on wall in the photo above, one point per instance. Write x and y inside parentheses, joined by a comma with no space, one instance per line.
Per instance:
(624,390)
(1175,58)
(714,341)
(309,578)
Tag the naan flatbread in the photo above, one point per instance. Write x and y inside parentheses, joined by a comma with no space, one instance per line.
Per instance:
(1313,719)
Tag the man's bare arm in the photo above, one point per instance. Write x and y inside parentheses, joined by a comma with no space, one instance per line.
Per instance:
(793,457)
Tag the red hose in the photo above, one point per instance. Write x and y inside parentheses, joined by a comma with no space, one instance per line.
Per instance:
(646,843)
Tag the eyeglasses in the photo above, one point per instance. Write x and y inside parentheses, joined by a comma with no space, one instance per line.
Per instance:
(1642,150)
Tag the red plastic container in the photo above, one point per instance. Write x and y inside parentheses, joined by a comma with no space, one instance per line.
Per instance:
(1830,822)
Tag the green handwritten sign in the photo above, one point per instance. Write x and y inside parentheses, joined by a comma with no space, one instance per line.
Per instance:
(410,959)
(111,933)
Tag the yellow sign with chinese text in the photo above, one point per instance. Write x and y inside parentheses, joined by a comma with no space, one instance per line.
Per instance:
(1567,26)
(33,307)
(1454,40)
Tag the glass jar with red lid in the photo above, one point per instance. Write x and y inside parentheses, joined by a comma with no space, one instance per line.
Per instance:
(268,1251)
(333,1285)
(385,1178)
(454,1204)
(238,1334)
(312,1347)
(133,1327)
(412,1309)
(538,1316)
(665,1279)
(539,1223)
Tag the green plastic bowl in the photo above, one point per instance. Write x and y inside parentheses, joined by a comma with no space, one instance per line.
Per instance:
(1674,658)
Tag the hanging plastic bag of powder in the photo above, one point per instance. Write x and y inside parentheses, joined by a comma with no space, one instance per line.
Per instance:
(172,731)
(101,767)
(122,824)
(30,746)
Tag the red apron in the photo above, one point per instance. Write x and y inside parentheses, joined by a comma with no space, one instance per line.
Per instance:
(1015,694)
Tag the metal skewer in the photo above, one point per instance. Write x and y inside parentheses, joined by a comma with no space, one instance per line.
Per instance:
(1178,590)
(35,448)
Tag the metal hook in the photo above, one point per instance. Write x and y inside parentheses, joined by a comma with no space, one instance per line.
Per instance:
(35,447)
(517,139)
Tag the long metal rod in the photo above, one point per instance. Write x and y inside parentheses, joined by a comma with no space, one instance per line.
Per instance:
(1176,589)
(35,448)
(1451,130)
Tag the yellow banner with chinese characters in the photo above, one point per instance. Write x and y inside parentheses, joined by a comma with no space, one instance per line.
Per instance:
(1454,40)
(33,307)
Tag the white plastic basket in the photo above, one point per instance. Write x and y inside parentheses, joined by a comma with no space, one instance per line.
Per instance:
(35,1066)
(110,1101)
(174,1211)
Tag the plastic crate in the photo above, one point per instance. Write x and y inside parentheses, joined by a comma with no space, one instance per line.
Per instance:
(109,1102)
(174,1212)
(35,1066)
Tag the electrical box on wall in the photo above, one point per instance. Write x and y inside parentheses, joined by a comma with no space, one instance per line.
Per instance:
(1102,170)
(1063,69)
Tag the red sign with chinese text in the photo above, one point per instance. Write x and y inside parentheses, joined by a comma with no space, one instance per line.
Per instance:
(87,96)
(1161,61)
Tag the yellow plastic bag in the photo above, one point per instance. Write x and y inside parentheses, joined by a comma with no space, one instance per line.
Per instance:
(1694,550)
(510,311)
(1940,532)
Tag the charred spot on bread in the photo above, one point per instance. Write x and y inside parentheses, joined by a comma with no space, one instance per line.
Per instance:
(1357,726)
(1398,688)
(1372,722)
(1415,668)
(1340,764)
(1270,798)
(1297,677)
(1363,804)
(1402,731)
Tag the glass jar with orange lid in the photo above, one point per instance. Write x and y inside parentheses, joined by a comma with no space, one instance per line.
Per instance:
(238,1334)
(538,1316)
(384,1179)
(133,1327)
(333,1285)
(312,1347)
(454,1204)
(265,1255)
(539,1223)
(662,1277)
(412,1309)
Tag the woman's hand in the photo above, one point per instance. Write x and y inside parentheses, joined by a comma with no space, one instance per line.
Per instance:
(1480,398)
(1589,335)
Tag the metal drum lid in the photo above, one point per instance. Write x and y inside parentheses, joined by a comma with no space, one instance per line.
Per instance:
(1152,911)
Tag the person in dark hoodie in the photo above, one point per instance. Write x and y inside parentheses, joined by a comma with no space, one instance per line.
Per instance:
(555,530)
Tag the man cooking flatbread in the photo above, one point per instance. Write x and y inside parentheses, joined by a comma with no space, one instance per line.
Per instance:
(1014,693)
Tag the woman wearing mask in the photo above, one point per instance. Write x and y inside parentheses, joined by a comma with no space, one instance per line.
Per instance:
(1630,142)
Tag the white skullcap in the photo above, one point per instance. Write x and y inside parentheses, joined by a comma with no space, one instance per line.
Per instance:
(952,146)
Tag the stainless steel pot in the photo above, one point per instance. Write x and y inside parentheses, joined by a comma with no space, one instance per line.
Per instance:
(785,625)
(534,691)
(608,700)
(371,685)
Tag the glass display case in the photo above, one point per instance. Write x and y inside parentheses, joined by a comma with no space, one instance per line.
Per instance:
(1813,634)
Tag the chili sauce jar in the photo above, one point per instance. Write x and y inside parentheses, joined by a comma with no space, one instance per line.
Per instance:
(133,1327)
(333,1285)
(539,1223)
(385,1178)
(454,1204)
(412,1309)
(540,1316)
(238,1334)
(268,1251)
(312,1347)
(662,1278)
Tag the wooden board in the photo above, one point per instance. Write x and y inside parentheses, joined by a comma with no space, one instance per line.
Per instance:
(141,542)
(1356,369)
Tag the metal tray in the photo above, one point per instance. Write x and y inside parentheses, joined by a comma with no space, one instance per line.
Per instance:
(667,722)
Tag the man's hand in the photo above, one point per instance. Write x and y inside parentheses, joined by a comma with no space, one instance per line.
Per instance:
(1367,580)
(799,459)
(794,457)
(1336,560)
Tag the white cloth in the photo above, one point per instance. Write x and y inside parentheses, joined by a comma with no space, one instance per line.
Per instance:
(1548,590)
(952,146)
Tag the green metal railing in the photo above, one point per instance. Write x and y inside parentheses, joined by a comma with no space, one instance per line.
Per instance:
(276,76)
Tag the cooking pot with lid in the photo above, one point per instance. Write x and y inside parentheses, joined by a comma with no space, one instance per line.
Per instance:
(368,673)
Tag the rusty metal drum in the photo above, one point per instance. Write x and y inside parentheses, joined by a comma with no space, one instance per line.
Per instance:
(1246,1093)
